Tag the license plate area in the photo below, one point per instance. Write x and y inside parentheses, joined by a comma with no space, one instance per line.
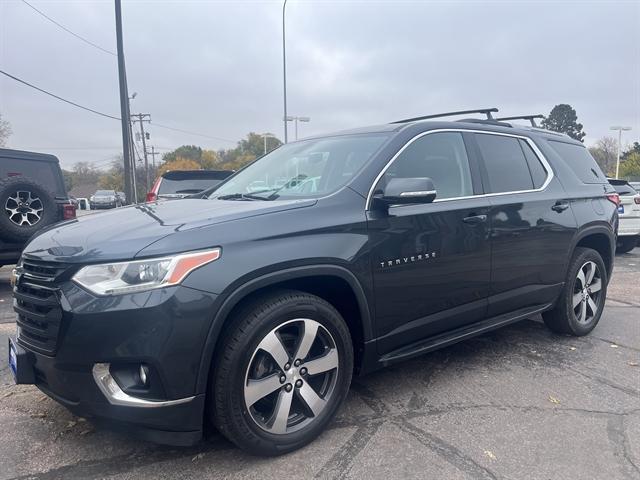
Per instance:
(20,364)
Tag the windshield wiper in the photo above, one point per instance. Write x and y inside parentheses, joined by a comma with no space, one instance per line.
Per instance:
(240,196)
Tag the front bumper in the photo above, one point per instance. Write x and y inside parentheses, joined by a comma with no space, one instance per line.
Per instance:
(164,329)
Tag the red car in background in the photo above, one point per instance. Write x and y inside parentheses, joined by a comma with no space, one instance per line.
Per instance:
(182,183)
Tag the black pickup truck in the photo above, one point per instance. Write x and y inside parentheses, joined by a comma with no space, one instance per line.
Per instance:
(32,196)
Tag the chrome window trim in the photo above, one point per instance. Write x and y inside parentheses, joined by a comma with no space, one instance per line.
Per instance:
(531,143)
(419,193)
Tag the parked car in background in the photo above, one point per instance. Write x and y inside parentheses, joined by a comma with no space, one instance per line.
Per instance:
(105,199)
(182,183)
(629,214)
(32,197)
(123,197)
(255,308)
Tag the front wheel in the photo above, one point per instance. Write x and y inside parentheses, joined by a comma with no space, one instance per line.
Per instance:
(581,302)
(282,372)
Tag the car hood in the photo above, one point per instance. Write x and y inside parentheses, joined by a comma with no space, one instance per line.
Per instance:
(120,234)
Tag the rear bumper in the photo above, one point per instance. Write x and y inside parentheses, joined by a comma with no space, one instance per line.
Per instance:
(628,226)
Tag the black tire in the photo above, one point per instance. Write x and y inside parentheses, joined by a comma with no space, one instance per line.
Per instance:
(565,318)
(239,351)
(626,244)
(17,220)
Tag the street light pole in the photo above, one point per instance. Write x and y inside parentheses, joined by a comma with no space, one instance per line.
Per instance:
(284,71)
(619,129)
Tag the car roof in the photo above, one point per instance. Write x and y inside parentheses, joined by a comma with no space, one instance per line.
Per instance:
(25,155)
(421,126)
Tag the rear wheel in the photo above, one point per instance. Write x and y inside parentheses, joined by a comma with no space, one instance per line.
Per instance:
(283,370)
(626,244)
(581,302)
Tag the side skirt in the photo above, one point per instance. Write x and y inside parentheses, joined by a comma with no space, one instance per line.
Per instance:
(458,335)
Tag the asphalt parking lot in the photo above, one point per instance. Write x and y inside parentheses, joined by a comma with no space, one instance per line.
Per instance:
(517,403)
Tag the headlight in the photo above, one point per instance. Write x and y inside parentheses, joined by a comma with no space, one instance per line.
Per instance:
(141,275)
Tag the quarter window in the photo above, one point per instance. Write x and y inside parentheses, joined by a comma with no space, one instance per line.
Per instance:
(439,156)
(506,166)
(538,172)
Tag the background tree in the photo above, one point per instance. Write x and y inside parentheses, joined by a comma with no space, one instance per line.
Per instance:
(635,148)
(191,152)
(179,164)
(254,144)
(563,119)
(630,168)
(5,131)
(605,152)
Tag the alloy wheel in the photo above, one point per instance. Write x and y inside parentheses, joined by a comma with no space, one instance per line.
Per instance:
(587,293)
(24,209)
(291,376)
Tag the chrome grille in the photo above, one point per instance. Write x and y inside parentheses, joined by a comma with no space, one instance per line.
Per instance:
(37,303)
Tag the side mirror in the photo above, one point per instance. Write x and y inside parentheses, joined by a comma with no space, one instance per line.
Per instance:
(402,191)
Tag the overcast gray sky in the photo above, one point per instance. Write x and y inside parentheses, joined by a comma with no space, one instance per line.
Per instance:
(215,67)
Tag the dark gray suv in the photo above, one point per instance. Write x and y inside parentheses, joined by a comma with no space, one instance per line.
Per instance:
(253,307)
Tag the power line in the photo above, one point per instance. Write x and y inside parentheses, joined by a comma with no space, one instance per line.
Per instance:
(57,97)
(193,133)
(67,30)
(111,116)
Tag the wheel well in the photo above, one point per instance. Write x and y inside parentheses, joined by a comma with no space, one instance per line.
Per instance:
(333,289)
(601,244)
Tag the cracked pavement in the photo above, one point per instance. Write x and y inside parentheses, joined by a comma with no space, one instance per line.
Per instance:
(517,403)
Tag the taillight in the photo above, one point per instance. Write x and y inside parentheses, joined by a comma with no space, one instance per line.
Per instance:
(151,197)
(68,211)
(614,198)
(636,199)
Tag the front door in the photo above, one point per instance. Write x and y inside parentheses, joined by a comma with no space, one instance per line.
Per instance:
(431,262)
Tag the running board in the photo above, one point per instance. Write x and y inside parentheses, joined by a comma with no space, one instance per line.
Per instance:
(460,334)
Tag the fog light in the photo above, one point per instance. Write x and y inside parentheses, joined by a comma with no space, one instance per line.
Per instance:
(144,372)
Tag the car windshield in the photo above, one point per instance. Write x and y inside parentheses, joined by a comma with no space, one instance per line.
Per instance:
(104,193)
(187,185)
(305,169)
(624,189)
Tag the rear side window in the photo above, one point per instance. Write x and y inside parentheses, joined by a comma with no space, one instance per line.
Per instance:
(506,166)
(538,172)
(580,161)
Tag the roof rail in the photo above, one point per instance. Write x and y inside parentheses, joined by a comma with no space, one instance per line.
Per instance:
(486,111)
(531,118)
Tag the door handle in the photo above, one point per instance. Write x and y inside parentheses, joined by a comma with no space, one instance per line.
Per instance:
(475,219)
(560,206)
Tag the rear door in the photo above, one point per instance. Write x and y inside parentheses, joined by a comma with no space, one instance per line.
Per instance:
(531,223)
(431,262)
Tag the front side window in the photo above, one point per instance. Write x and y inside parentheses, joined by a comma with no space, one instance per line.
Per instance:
(506,166)
(305,169)
(442,157)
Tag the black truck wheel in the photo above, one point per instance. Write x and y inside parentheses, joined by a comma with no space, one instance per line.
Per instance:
(25,208)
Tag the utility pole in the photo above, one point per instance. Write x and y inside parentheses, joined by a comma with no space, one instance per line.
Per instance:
(153,156)
(124,105)
(141,118)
